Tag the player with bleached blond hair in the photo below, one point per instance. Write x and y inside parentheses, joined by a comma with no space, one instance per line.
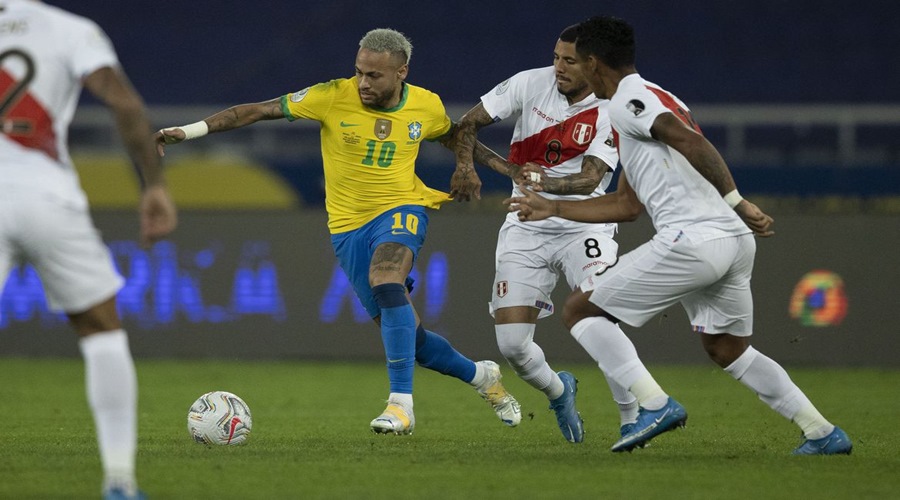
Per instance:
(372,125)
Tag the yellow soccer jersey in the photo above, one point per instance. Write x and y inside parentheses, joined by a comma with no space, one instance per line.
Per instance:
(369,153)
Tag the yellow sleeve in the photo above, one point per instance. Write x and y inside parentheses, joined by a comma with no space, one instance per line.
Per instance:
(312,103)
(442,123)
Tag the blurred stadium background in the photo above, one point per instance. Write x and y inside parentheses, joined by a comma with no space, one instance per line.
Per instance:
(801,98)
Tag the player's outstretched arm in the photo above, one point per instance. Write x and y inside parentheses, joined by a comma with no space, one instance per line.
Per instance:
(704,157)
(468,150)
(620,206)
(228,119)
(157,211)
(584,182)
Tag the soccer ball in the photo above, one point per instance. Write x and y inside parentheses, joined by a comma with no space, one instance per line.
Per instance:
(219,417)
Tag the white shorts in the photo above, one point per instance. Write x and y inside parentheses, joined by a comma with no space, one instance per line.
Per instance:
(529,263)
(710,278)
(59,239)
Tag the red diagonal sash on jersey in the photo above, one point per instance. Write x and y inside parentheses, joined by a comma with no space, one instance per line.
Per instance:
(25,120)
(557,143)
(669,102)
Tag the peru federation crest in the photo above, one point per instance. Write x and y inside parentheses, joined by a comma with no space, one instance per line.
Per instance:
(415,130)
(582,133)
(502,288)
(382,128)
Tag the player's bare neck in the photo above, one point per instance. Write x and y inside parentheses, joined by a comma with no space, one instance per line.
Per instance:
(395,98)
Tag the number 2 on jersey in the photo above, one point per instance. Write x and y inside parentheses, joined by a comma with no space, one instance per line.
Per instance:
(11,92)
(22,117)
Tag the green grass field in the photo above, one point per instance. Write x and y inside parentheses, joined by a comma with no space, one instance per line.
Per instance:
(311,437)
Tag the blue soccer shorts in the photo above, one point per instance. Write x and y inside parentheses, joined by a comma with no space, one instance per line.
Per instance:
(406,224)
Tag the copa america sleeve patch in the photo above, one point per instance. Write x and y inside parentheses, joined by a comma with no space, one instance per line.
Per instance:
(299,95)
(635,106)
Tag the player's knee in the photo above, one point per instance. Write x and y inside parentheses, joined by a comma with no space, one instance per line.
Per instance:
(514,341)
(102,317)
(578,307)
(389,295)
(512,349)
(724,348)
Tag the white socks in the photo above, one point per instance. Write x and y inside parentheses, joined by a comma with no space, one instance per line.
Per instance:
(479,379)
(517,346)
(617,357)
(111,385)
(619,361)
(774,387)
(402,399)
(515,341)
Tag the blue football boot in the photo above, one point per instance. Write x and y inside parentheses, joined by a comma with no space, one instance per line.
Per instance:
(651,423)
(836,443)
(567,417)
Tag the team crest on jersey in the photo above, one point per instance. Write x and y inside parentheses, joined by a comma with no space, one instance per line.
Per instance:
(299,95)
(503,87)
(415,130)
(582,133)
(635,106)
(502,288)
(382,128)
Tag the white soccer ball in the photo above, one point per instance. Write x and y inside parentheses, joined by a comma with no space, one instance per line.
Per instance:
(219,417)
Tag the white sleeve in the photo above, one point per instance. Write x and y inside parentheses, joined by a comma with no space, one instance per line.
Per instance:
(602,145)
(91,50)
(505,99)
(633,113)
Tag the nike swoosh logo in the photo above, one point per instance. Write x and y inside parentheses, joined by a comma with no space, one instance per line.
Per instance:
(396,360)
(345,124)
(399,232)
(663,416)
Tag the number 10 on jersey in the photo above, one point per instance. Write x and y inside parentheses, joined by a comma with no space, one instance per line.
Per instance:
(385,153)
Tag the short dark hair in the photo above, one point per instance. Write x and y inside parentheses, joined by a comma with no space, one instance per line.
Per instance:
(609,39)
(570,34)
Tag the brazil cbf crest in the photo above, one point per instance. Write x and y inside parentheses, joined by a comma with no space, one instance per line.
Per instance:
(415,131)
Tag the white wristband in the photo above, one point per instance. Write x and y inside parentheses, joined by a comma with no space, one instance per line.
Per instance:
(194,130)
(733,198)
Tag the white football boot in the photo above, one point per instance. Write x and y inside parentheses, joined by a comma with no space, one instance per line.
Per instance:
(491,390)
(395,419)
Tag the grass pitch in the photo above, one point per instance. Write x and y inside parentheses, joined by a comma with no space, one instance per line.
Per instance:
(311,437)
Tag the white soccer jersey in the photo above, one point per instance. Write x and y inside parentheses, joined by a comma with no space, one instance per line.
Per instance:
(674,193)
(553,134)
(40,84)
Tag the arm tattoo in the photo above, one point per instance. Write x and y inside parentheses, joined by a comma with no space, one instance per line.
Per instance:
(584,182)
(466,132)
(244,114)
(225,120)
(486,156)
